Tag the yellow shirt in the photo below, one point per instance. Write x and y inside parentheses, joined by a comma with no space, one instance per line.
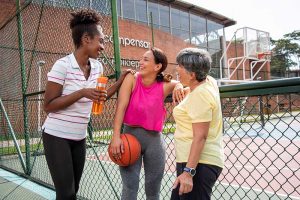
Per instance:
(201,105)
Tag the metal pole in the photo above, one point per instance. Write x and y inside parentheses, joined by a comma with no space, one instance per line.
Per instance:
(290,103)
(116,38)
(236,62)
(224,52)
(152,31)
(117,56)
(13,136)
(40,64)
(261,111)
(23,74)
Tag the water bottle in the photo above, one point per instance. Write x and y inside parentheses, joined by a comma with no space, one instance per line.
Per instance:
(98,106)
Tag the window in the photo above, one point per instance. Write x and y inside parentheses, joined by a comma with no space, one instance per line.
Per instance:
(199,39)
(141,12)
(165,29)
(175,16)
(184,20)
(180,19)
(164,15)
(180,24)
(119,7)
(128,11)
(214,32)
(198,24)
(153,7)
(183,34)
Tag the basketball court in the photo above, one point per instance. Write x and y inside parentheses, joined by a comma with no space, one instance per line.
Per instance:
(234,186)
(265,139)
(230,187)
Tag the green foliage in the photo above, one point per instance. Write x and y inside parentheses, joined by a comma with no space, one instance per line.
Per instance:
(12,150)
(284,53)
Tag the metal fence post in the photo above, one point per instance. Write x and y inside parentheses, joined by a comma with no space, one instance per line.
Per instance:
(117,56)
(23,75)
(261,111)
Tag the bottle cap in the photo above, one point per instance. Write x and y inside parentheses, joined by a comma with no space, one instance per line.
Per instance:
(102,79)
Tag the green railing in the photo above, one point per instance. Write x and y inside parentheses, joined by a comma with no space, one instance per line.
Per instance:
(261,120)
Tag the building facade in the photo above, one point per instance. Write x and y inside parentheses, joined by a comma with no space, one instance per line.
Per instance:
(168,25)
(176,25)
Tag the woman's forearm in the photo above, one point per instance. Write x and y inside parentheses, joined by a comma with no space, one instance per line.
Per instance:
(62,102)
(113,89)
(195,152)
(119,116)
(200,132)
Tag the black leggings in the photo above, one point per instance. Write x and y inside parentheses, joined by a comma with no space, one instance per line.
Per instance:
(65,159)
(203,182)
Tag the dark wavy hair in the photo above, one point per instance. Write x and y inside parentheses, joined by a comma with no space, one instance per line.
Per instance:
(84,21)
(161,58)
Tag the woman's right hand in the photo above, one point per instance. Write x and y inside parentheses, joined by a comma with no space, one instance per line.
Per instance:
(94,94)
(117,147)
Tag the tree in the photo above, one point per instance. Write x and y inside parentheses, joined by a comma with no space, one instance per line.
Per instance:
(285,53)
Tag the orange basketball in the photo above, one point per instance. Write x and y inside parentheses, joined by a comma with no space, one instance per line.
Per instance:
(132,150)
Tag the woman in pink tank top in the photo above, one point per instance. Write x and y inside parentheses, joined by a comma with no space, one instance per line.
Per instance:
(141,108)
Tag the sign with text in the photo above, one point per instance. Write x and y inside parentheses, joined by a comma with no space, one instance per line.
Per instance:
(134,64)
(124,41)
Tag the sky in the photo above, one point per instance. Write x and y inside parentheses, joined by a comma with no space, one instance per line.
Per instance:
(277,17)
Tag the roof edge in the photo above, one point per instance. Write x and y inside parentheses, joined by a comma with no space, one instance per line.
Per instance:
(216,17)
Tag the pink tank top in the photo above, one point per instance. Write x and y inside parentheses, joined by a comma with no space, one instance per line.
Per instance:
(146,106)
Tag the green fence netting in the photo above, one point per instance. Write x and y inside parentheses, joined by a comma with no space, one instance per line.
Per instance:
(261,120)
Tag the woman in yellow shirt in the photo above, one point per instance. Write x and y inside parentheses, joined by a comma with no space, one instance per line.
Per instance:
(198,135)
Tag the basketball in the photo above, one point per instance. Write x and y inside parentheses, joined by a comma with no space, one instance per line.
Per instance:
(132,150)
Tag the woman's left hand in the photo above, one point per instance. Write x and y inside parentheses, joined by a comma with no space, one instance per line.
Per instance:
(179,93)
(186,183)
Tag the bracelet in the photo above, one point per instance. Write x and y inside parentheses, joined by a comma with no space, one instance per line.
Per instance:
(178,85)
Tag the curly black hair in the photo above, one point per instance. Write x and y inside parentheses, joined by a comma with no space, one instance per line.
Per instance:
(84,21)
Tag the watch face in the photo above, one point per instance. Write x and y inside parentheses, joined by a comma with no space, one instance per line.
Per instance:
(193,172)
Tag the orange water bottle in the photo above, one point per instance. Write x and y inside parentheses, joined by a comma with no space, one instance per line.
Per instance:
(98,106)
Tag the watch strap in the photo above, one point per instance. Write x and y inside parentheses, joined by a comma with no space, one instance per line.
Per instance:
(191,171)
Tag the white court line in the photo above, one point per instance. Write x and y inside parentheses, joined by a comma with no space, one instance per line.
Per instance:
(269,168)
(260,191)
(256,190)
(259,148)
(270,137)
(233,185)
(227,165)
(25,183)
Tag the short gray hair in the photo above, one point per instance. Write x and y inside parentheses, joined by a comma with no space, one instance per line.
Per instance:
(195,60)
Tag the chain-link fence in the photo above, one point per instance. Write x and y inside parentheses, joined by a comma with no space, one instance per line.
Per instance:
(35,34)
(261,120)
(262,139)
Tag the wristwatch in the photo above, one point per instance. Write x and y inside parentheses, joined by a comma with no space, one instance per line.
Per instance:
(191,171)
